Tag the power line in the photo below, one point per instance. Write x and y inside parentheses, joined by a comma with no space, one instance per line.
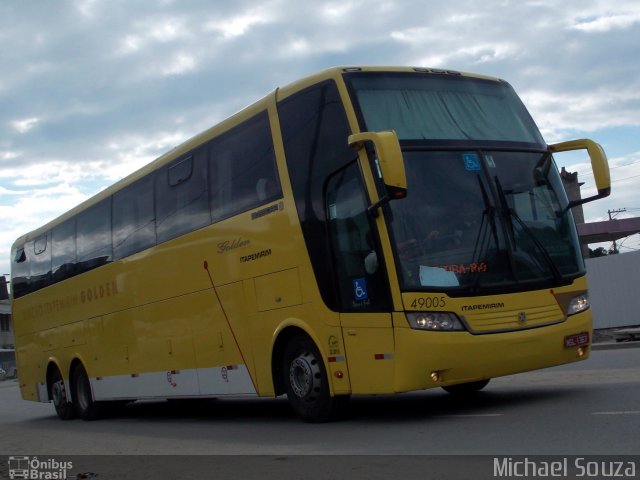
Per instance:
(588,185)
(629,248)
(623,179)
(619,210)
(621,245)
(590,173)
(612,180)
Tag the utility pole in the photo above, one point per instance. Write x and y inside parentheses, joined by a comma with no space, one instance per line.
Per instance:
(619,210)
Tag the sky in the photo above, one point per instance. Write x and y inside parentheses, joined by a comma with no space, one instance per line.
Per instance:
(91,90)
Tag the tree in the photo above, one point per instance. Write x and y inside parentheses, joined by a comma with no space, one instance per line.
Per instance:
(598,252)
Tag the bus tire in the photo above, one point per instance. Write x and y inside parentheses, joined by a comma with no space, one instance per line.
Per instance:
(306,384)
(467,388)
(86,407)
(58,393)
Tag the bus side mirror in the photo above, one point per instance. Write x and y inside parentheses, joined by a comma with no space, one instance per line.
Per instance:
(389,161)
(599,165)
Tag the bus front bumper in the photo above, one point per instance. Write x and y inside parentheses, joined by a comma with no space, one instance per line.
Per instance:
(426,359)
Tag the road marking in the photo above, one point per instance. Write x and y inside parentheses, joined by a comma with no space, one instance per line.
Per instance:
(623,412)
(471,415)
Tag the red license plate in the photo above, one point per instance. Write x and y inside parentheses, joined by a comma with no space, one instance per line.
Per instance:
(576,340)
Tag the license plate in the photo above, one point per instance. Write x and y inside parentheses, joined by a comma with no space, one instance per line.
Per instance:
(576,340)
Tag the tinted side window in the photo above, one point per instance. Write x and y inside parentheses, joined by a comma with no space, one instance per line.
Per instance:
(20,270)
(315,131)
(182,196)
(63,250)
(360,278)
(94,236)
(242,168)
(133,218)
(40,263)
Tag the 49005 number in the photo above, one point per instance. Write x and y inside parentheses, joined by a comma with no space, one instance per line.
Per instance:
(429,302)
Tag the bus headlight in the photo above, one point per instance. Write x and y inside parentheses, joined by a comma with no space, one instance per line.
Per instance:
(578,304)
(434,321)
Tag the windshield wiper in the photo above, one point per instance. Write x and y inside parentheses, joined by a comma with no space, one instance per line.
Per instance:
(489,210)
(511,215)
(482,243)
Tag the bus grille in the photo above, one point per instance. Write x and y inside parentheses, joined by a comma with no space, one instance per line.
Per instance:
(518,319)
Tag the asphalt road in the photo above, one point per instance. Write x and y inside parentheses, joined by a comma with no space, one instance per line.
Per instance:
(588,408)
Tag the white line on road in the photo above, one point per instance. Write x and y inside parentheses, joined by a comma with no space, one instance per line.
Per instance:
(471,415)
(623,412)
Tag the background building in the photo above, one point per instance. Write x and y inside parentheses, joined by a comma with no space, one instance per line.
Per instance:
(6,325)
(613,279)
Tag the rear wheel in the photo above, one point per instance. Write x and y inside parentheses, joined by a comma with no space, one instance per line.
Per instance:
(307,386)
(86,407)
(467,388)
(58,394)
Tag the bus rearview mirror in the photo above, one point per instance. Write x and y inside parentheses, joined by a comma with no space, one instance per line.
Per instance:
(389,160)
(599,165)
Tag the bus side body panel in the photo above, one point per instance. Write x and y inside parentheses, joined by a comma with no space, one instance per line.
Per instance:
(152,325)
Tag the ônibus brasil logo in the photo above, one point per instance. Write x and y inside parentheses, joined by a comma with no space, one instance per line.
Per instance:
(34,468)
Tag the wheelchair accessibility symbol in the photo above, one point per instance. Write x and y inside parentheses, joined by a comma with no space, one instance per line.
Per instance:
(471,162)
(360,290)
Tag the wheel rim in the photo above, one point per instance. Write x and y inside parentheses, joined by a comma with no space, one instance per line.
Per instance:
(58,393)
(304,375)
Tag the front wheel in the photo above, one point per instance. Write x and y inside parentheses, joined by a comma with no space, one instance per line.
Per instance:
(86,407)
(467,388)
(306,382)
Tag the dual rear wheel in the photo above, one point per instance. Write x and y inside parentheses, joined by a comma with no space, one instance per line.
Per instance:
(80,403)
(86,407)
(61,400)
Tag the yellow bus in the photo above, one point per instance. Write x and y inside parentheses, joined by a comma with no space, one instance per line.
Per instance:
(365,230)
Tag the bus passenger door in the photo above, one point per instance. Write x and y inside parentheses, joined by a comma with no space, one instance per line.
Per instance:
(361,284)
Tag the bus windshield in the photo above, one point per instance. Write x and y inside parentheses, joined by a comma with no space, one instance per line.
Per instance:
(484,219)
(443,107)
(486,209)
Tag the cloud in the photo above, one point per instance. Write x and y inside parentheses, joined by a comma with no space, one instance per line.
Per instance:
(607,22)
(238,25)
(30,208)
(23,126)
(561,113)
